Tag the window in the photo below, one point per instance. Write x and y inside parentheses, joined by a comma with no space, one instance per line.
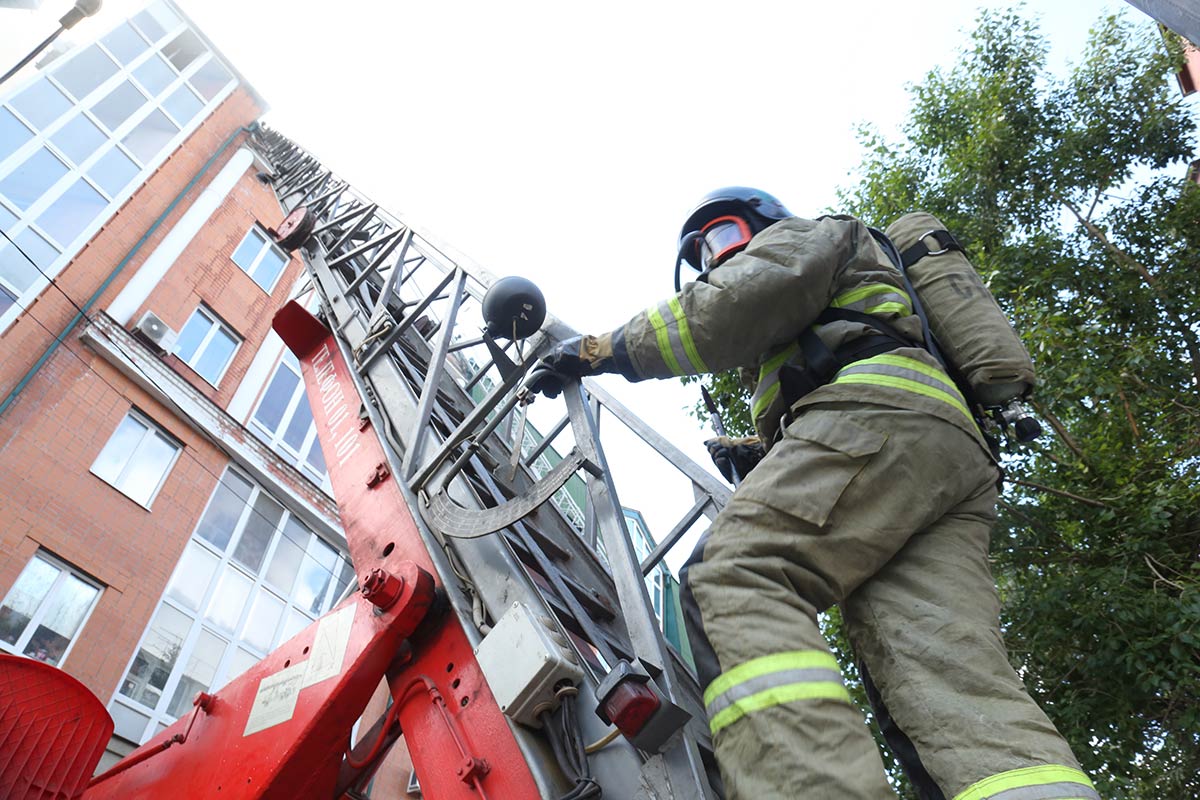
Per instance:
(252,576)
(284,420)
(16,270)
(46,608)
(25,184)
(86,71)
(41,103)
(259,258)
(137,458)
(414,786)
(206,345)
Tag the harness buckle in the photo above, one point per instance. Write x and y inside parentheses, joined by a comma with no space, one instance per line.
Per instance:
(946,246)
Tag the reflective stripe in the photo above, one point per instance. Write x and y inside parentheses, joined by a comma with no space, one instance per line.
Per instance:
(901,372)
(877,298)
(664,340)
(685,335)
(770,681)
(1033,783)
(675,342)
(768,381)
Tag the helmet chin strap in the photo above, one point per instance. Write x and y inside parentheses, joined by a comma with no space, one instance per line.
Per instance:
(687,242)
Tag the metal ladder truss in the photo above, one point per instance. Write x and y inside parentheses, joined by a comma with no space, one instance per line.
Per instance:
(497,479)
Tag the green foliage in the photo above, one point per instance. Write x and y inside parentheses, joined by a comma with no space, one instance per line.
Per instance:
(1056,187)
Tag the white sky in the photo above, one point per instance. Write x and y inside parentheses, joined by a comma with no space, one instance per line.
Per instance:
(566,142)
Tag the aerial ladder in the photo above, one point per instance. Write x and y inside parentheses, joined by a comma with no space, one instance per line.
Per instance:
(511,623)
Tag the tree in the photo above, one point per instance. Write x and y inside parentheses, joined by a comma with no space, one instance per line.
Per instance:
(1068,196)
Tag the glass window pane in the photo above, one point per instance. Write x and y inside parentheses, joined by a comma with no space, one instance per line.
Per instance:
(260,527)
(295,623)
(225,509)
(216,355)
(316,573)
(24,598)
(118,105)
(199,673)
(154,75)
(301,424)
(289,553)
(16,267)
(120,447)
(30,180)
(269,268)
(192,335)
(184,49)
(87,70)
(160,650)
(113,171)
(13,133)
(183,105)
(79,138)
(130,724)
(345,576)
(7,299)
(259,630)
(229,599)
(155,21)
(150,136)
(64,615)
(71,213)
(41,103)
(277,398)
(124,43)
(148,468)
(249,249)
(316,457)
(239,662)
(192,576)
(211,78)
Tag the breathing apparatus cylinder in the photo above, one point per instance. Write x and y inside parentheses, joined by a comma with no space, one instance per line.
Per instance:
(974,336)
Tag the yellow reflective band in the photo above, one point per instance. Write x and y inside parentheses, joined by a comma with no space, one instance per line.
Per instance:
(862,292)
(664,340)
(1021,778)
(764,402)
(823,690)
(908,385)
(765,665)
(685,336)
(904,362)
(884,308)
(776,361)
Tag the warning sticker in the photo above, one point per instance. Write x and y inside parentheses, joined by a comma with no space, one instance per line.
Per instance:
(329,647)
(275,701)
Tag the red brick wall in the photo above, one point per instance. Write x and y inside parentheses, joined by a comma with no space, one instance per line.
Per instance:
(205,273)
(51,436)
(51,500)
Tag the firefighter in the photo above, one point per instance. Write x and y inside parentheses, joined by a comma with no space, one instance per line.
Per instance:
(877,493)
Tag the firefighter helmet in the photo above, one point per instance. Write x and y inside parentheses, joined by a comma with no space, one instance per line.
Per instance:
(724,222)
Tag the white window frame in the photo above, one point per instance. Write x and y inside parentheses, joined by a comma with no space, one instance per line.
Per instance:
(152,429)
(42,136)
(65,570)
(256,262)
(414,785)
(274,438)
(158,715)
(215,324)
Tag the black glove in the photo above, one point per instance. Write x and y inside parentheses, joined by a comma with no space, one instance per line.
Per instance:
(735,456)
(577,357)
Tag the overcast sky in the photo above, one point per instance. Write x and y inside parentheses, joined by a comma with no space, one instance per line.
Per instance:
(566,142)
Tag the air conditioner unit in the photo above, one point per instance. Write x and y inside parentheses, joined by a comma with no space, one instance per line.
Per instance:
(155,332)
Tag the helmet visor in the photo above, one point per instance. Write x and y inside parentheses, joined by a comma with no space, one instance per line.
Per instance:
(722,237)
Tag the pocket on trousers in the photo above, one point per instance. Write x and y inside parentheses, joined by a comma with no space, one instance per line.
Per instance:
(809,469)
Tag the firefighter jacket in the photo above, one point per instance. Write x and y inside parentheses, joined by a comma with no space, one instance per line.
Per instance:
(752,309)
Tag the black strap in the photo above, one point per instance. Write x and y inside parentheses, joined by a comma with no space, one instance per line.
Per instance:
(945,242)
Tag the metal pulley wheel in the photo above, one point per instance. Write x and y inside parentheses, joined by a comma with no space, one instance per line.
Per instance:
(295,229)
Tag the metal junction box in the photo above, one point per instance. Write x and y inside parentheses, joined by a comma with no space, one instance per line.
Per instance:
(524,658)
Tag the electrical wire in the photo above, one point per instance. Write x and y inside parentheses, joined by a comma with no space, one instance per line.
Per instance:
(163,392)
(562,729)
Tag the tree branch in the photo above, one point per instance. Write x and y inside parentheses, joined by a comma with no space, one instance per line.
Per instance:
(1185,332)
(1087,501)
(1059,429)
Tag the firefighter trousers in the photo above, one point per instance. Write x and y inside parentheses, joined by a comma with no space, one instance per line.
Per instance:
(887,513)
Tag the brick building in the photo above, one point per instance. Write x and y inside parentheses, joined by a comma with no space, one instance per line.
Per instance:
(165,518)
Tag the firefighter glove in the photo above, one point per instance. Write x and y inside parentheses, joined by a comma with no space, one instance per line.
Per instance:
(577,357)
(735,456)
